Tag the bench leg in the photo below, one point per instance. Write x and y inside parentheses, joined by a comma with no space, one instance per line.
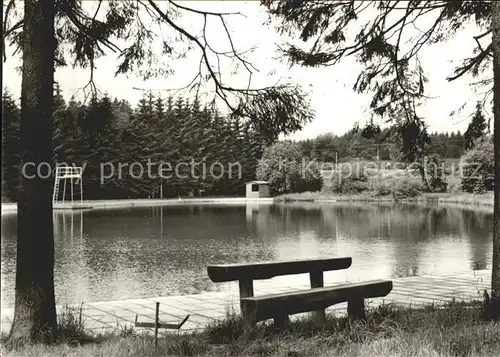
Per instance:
(248,329)
(316,278)
(356,309)
(249,320)
(281,321)
(319,316)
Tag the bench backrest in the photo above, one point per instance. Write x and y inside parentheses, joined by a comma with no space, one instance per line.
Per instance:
(267,270)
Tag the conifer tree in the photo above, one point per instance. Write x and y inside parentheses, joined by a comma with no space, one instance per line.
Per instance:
(476,129)
(10,146)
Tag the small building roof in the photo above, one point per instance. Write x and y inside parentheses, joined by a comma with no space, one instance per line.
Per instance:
(258,182)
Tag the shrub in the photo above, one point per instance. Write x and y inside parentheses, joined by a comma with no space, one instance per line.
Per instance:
(337,183)
(406,188)
(358,171)
(352,177)
(479,187)
(382,187)
(287,171)
(434,174)
(478,167)
(310,177)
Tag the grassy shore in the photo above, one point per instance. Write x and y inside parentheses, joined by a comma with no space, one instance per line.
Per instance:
(465,199)
(457,329)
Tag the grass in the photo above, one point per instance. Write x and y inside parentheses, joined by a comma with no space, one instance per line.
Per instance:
(469,199)
(460,198)
(456,329)
(320,196)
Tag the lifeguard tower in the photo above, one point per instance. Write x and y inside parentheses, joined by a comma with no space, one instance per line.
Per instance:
(74,175)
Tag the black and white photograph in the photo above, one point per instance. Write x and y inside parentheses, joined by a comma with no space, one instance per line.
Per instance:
(259,178)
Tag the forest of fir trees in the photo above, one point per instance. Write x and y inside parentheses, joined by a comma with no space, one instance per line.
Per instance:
(353,146)
(105,132)
(169,130)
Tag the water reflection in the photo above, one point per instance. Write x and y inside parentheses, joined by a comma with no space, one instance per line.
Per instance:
(118,254)
(67,226)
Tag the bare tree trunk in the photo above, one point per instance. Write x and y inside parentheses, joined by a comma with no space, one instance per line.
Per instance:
(495,278)
(35,313)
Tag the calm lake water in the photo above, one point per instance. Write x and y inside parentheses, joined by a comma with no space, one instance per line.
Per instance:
(146,252)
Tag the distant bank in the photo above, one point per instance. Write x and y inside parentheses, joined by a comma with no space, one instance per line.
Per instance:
(458,199)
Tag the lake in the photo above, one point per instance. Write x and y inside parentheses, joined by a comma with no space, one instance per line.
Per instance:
(159,251)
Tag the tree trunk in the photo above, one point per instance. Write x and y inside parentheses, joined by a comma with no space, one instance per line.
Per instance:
(35,313)
(495,278)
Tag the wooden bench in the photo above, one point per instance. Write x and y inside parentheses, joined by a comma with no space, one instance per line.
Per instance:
(317,299)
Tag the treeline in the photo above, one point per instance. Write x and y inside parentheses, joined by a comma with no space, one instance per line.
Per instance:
(105,132)
(353,145)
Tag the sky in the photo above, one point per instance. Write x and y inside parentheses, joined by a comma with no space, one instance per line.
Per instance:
(337,107)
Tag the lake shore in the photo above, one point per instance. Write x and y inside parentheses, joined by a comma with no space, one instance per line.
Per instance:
(457,329)
(458,199)
(11,208)
(462,199)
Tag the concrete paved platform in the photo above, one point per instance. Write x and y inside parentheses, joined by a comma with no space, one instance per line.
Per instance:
(207,307)
(10,208)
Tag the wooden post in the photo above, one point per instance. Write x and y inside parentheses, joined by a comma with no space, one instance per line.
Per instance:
(246,290)
(281,321)
(316,278)
(356,309)
(249,316)
(157,323)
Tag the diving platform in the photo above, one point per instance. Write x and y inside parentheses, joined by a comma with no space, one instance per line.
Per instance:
(73,174)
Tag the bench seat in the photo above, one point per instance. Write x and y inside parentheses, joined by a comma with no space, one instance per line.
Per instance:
(278,306)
